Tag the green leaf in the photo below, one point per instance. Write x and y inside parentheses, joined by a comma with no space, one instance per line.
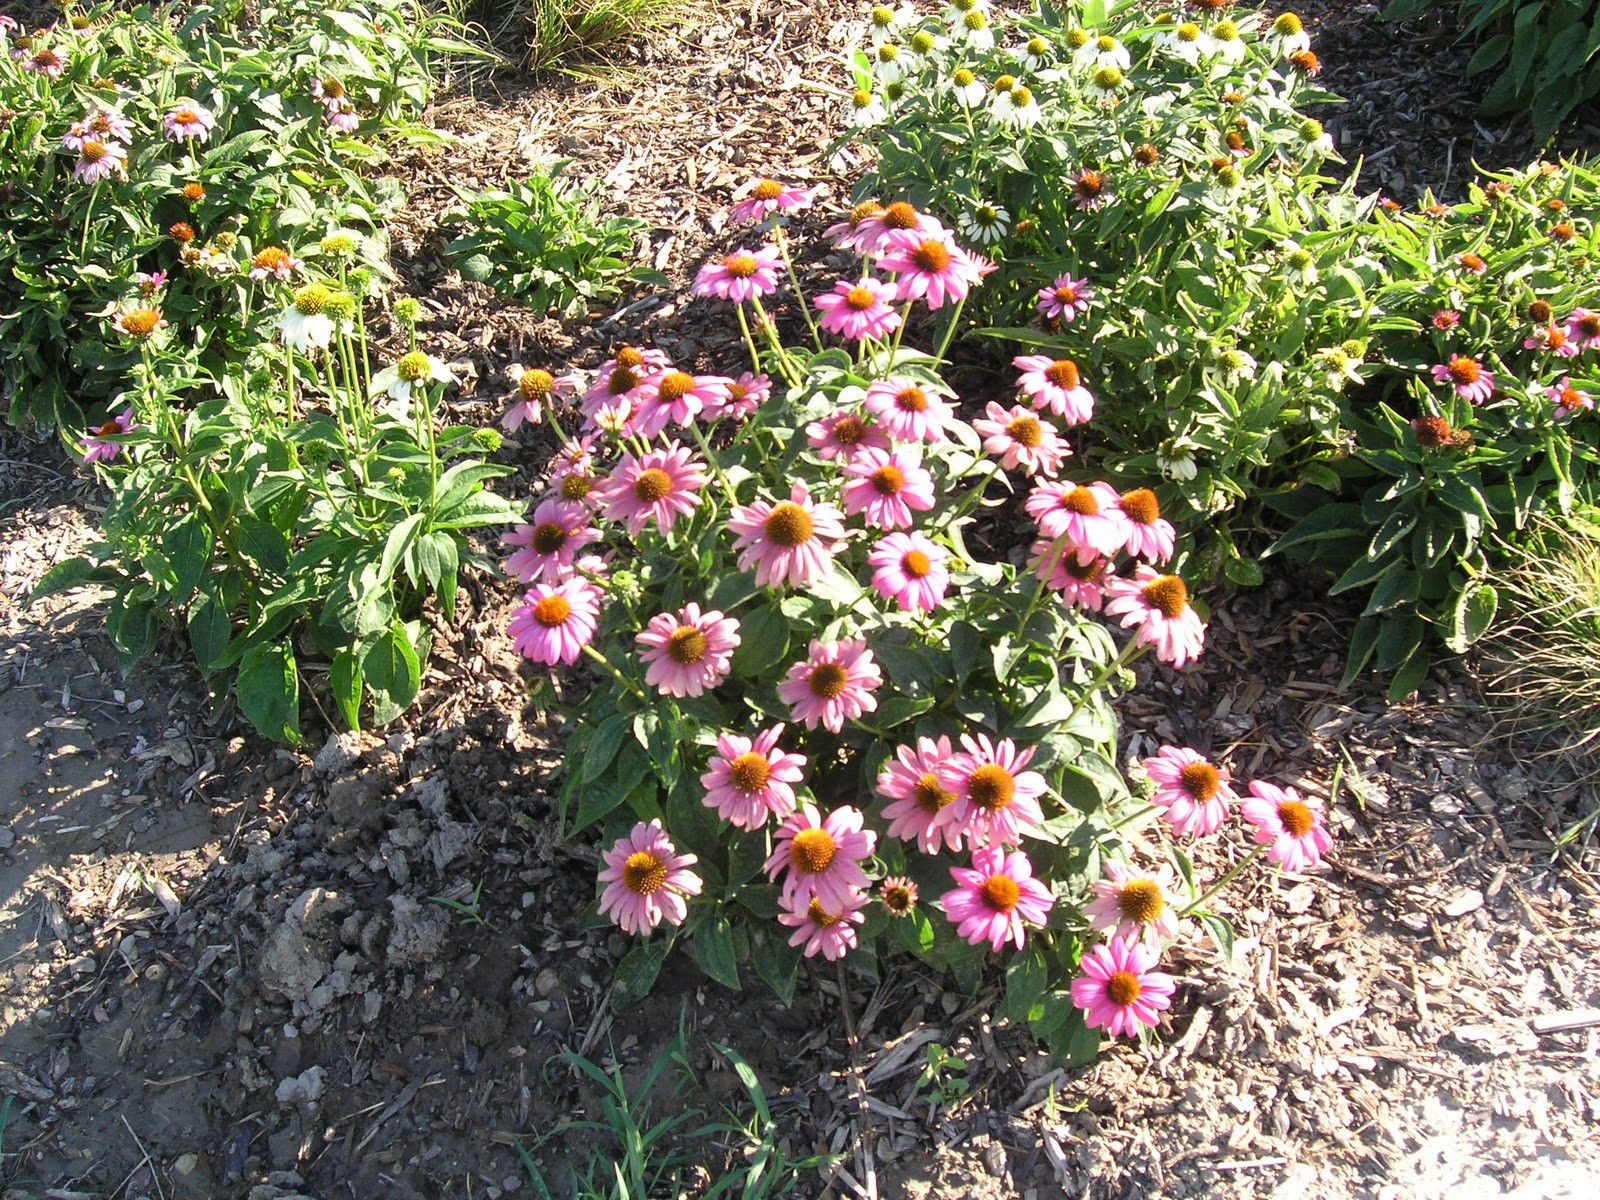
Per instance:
(1397,589)
(1326,521)
(269,692)
(1027,975)
(68,574)
(763,641)
(209,631)
(1472,615)
(344,677)
(187,545)
(1221,931)
(636,973)
(713,950)
(600,752)
(392,673)
(776,961)
(1410,676)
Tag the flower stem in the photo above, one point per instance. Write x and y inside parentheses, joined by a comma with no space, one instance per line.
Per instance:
(1124,657)
(616,674)
(749,339)
(1216,887)
(950,329)
(711,461)
(794,282)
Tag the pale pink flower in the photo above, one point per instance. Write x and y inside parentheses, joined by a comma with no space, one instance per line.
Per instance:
(622,377)
(1136,905)
(993,897)
(1053,384)
(274,262)
(96,449)
(742,275)
(1192,794)
(556,621)
(1087,515)
(1583,328)
(834,685)
(846,234)
(1021,439)
(910,410)
(100,160)
(845,435)
(831,933)
(898,895)
(342,117)
(995,797)
(922,808)
(1552,339)
(659,486)
(821,857)
(188,122)
(1079,575)
(1469,377)
(646,880)
(537,390)
(150,282)
(1291,826)
(745,395)
(1149,536)
(1120,990)
(1446,319)
(1471,264)
(910,570)
(792,541)
(550,542)
(878,231)
(1091,191)
(1066,298)
(885,486)
(768,197)
(1567,398)
(675,397)
(690,653)
(859,310)
(751,780)
(106,126)
(932,269)
(46,61)
(1159,605)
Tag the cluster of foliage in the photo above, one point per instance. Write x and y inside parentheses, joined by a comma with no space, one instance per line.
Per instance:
(545,244)
(564,34)
(1263,337)
(801,589)
(177,141)
(1541,54)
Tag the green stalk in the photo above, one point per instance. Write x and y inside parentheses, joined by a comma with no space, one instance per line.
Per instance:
(1216,887)
(1125,656)
(616,674)
(794,282)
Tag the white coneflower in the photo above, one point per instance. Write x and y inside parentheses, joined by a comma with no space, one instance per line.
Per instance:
(1175,459)
(865,109)
(1289,35)
(1187,42)
(1227,181)
(967,88)
(888,22)
(923,46)
(1102,51)
(974,30)
(1316,138)
(1234,366)
(1226,43)
(1339,365)
(412,374)
(1016,107)
(1035,56)
(305,324)
(986,224)
(886,64)
(1299,264)
(1107,85)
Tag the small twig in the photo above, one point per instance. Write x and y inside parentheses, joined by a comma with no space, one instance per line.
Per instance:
(868,1170)
(155,1172)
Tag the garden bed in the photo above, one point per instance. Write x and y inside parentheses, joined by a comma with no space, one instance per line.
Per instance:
(229,967)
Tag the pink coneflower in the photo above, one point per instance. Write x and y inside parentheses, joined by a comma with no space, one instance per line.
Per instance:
(46,61)
(898,895)
(106,126)
(792,541)
(1446,319)
(910,570)
(1021,440)
(932,269)
(1149,535)
(674,397)
(150,282)
(878,231)
(1088,515)
(1136,905)
(1091,191)
(556,621)
(768,197)
(1291,826)
(1583,328)
(140,323)
(100,160)
(995,797)
(687,654)
(1159,606)
(188,122)
(922,808)
(1120,990)
(342,117)
(834,685)
(742,275)
(844,436)
(821,930)
(859,310)
(751,780)
(273,262)
(993,897)
(1470,378)
(659,486)
(646,880)
(1471,264)
(550,542)
(1193,795)
(1066,298)
(1552,339)
(621,378)
(821,857)
(1054,384)
(1079,575)
(96,448)
(911,410)
(745,394)
(1567,398)
(537,390)
(845,234)
(884,486)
